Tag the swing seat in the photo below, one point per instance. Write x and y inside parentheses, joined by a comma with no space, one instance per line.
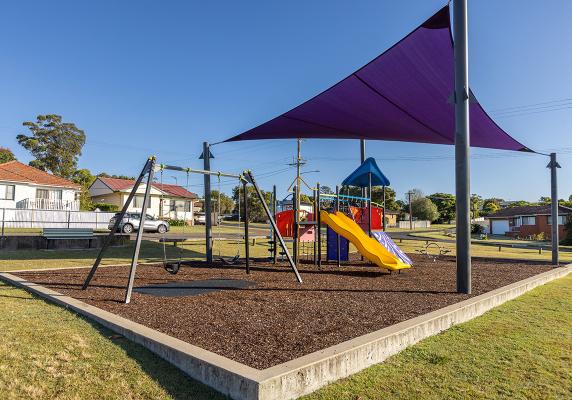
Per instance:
(172,268)
(231,261)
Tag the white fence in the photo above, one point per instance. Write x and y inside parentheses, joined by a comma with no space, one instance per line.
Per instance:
(416,224)
(18,218)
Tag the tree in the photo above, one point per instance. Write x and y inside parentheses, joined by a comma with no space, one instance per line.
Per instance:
(416,194)
(84,178)
(545,200)
(256,211)
(56,145)
(491,206)
(6,155)
(476,204)
(518,203)
(424,209)
(446,206)
(106,175)
(377,195)
(226,203)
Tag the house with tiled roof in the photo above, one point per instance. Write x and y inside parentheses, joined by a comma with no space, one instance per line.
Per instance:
(526,221)
(26,187)
(166,200)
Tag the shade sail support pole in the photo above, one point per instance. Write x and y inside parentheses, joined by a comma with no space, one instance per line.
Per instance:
(462,134)
(554,237)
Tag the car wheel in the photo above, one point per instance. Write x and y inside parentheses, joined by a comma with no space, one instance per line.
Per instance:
(127,228)
(161,229)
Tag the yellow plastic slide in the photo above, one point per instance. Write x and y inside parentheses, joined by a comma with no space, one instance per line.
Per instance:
(368,247)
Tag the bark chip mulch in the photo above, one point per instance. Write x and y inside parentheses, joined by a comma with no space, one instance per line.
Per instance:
(273,319)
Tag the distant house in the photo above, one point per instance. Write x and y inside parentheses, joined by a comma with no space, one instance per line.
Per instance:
(166,201)
(25,187)
(527,220)
(391,217)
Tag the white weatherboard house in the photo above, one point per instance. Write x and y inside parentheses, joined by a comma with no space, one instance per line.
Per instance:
(166,201)
(25,187)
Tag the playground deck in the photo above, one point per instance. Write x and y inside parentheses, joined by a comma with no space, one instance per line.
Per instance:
(273,319)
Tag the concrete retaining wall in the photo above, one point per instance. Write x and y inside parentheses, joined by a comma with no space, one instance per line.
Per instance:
(307,373)
(36,242)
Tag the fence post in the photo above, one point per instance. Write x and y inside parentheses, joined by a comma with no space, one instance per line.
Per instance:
(3,219)
(69,217)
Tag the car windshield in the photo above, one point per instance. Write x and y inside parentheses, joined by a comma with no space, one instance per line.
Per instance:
(149,217)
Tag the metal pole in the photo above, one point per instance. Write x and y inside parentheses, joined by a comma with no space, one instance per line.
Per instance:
(383,210)
(338,245)
(207,196)
(362,159)
(462,143)
(146,199)
(246,239)
(369,205)
(410,211)
(319,225)
(297,200)
(295,233)
(553,165)
(274,208)
(316,212)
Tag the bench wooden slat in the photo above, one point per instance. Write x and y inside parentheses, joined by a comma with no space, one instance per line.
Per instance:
(67,233)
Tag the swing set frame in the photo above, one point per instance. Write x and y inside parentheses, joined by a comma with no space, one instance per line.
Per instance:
(149,170)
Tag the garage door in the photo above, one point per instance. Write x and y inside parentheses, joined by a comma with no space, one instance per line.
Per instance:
(500,226)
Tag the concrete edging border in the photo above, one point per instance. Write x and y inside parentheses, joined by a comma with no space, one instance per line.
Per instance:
(305,374)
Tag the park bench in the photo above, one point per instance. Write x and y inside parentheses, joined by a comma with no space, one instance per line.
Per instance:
(67,233)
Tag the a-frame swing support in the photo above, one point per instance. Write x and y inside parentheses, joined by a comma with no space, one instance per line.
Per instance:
(149,169)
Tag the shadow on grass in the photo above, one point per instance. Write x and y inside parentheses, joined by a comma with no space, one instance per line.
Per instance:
(176,383)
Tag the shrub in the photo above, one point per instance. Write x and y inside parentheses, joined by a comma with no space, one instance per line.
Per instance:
(477,229)
(567,233)
(178,222)
(105,207)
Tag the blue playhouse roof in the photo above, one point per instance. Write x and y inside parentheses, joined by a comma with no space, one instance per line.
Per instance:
(360,177)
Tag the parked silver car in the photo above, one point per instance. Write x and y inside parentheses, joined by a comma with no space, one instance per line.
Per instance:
(132,220)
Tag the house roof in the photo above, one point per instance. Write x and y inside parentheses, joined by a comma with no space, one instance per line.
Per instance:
(117,184)
(15,171)
(528,210)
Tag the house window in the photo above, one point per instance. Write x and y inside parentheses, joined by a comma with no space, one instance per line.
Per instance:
(138,201)
(188,206)
(48,194)
(561,220)
(517,221)
(529,220)
(7,192)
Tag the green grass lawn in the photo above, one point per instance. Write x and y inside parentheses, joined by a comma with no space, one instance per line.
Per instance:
(520,350)
(47,352)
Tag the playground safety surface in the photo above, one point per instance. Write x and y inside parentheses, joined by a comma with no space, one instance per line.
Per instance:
(276,319)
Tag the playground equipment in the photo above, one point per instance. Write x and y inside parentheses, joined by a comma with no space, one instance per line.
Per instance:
(149,170)
(369,247)
(348,218)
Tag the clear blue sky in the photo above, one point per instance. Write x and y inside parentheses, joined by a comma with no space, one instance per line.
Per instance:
(149,77)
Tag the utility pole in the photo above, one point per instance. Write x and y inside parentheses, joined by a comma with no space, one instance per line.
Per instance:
(362,159)
(462,143)
(409,194)
(553,165)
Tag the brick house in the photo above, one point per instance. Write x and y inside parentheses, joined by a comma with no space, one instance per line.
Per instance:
(527,221)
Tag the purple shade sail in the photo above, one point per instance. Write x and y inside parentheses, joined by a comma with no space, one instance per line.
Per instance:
(402,95)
